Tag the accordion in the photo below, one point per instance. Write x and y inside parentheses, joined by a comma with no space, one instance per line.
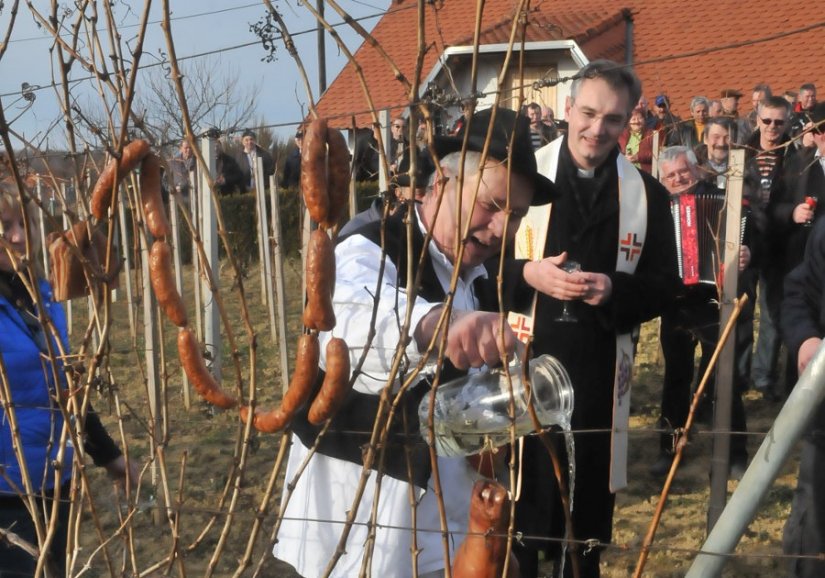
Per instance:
(698,219)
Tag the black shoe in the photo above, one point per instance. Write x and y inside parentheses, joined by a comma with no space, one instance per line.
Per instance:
(738,467)
(661,467)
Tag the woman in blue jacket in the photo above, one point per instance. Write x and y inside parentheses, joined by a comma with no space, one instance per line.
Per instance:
(29,406)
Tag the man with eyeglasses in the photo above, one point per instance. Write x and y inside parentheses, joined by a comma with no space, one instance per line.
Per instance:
(398,142)
(625,247)
(799,202)
(694,318)
(766,160)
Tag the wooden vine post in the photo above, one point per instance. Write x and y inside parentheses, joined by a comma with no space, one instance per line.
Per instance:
(267,295)
(122,206)
(178,266)
(383,177)
(720,461)
(279,281)
(260,221)
(209,232)
(151,343)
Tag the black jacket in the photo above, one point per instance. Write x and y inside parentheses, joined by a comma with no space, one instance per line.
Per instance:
(802,177)
(587,348)
(803,308)
(246,170)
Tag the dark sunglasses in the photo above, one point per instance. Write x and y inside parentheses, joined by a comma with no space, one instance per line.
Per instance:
(770,121)
(398,126)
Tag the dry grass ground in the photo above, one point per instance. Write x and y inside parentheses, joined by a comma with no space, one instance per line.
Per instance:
(201,445)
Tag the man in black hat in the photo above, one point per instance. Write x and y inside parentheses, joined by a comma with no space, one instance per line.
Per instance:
(248,158)
(730,108)
(667,123)
(625,273)
(469,212)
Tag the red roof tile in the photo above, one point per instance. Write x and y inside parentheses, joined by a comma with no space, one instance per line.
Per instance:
(675,52)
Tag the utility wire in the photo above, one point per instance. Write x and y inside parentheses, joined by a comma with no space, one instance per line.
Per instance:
(173,18)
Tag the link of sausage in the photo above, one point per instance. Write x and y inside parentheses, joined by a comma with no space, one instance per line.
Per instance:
(133,153)
(336,383)
(338,175)
(191,359)
(320,281)
(163,283)
(298,393)
(314,170)
(153,209)
(484,549)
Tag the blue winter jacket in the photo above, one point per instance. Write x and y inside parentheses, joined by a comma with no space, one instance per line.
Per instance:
(32,389)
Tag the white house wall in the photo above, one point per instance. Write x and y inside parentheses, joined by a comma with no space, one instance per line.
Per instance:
(489,70)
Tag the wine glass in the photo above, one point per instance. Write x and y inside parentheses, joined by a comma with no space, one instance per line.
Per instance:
(566,316)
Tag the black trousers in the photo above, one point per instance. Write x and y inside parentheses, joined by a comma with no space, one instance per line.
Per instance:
(540,514)
(805,529)
(681,330)
(16,562)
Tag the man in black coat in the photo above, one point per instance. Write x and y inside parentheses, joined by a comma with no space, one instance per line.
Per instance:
(803,326)
(292,165)
(797,203)
(695,315)
(766,160)
(626,249)
(248,157)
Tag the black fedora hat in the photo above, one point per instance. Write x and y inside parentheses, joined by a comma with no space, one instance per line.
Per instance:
(522,159)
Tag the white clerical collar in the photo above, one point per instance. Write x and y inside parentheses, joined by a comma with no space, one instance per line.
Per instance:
(586,173)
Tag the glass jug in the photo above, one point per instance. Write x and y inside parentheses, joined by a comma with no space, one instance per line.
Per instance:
(472,412)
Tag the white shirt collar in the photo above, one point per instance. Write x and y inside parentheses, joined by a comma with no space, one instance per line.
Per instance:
(444,270)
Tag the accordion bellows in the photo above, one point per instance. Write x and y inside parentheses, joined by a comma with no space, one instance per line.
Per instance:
(698,223)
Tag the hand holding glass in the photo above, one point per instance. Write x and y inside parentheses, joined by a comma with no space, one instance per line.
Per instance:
(569,266)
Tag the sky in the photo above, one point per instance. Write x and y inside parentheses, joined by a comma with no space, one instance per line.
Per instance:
(198,27)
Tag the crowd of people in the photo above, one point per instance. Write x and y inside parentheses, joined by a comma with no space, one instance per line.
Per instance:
(629,272)
(578,191)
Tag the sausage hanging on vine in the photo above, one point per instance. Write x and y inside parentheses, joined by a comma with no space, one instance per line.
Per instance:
(191,359)
(298,393)
(133,154)
(336,383)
